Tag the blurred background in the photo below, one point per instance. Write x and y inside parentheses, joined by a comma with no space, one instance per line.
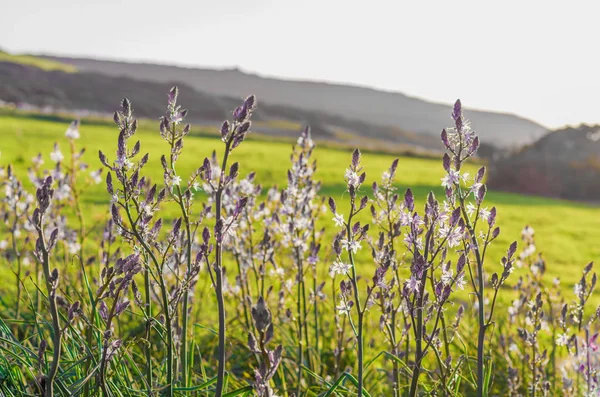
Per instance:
(380,75)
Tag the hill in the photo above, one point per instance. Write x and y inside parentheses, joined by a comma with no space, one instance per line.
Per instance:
(28,82)
(564,163)
(370,106)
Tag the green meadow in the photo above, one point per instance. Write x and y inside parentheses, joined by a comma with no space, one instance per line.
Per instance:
(566,232)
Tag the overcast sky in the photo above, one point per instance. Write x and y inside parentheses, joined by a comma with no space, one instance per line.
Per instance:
(539,59)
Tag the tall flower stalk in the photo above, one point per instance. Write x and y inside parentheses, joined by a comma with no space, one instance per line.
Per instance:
(462,143)
(349,240)
(232,134)
(43,246)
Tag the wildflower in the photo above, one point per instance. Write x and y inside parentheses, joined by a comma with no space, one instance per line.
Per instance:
(562,340)
(528,231)
(231,223)
(352,178)
(344,308)
(3,244)
(447,276)
(353,246)
(484,214)
(452,178)
(413,284)
(176,180)
(460,281)
(339,267)
(96,176)
(338,219)
(74,248)
(453,236)
(73,130)
(56,155)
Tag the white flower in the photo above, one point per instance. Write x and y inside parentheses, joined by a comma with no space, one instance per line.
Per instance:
(278,271)
(74,248)
(452,178)
(3,244)
(73,131)
(231,224)
(562,340)
(176,180)
(352,178)
(56,155)
(414,284)
(447,277)
(339,267)
(343,308)
(338,219)
(470,209)
(484,213)
(96,176)
(528,231)
(460,281)
(353,246)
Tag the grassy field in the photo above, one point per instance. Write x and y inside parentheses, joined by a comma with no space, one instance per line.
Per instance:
(565,231)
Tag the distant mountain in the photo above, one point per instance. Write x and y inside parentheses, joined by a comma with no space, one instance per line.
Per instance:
(24,81)
(564,163)
(358,103)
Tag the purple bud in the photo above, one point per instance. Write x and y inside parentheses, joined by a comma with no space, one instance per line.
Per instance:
(480,175)
(455,216)
(121,307)
(409,200)
(103,158)
(393,167)
(492,217)
(242,129)
(261,315)
(103,310)
(206,235)
(250,103)
(362,178)
(207,169)
(363,202)
(446,162)
(126,107)
(444,137)
(460,265)
(173,93)
(240,113)
(224,130)
(115,214)
(457,111)
(332,205)
(474,145)
(481,194)
(496,232)
(512,249)
(355,158)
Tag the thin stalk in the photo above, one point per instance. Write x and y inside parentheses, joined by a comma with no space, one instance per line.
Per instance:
(147,349)
(219,279)
(165,300)
(56,349)
(300,321)
(360,311)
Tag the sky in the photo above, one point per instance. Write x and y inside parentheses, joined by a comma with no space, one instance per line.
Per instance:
(538,59)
